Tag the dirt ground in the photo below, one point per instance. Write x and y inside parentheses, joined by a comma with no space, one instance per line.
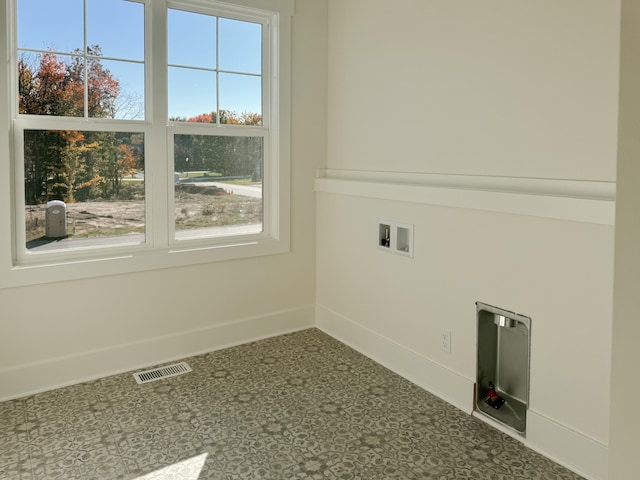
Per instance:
(98,219)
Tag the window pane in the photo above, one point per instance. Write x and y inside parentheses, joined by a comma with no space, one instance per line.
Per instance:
(191,93)
(240,46)
(128,88)
(218,185)
(242,95)
(192,39)
(105,88)
(54,84)
(50,84)
(104,17)
(49,25)
(97,177)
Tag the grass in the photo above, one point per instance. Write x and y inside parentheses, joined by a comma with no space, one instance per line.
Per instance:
(241,181)
(214,175)
(199,174)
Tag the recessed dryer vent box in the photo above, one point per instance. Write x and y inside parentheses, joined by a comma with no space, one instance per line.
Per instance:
(395,237)
(502,378)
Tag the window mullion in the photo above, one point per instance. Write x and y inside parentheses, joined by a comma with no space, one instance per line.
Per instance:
(218,71)
(85,53)
(160,203)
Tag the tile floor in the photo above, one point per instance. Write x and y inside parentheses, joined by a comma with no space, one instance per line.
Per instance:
(299,406)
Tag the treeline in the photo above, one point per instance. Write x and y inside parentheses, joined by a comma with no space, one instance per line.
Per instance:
(226,155)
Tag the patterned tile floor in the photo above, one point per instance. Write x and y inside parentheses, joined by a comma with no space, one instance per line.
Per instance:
(299,406)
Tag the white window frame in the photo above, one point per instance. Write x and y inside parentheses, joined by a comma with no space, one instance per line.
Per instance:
(160,249)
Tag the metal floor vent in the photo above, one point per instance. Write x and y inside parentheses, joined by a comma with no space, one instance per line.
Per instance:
(162,372)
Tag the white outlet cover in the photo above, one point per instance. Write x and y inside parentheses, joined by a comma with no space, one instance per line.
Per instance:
(445,340)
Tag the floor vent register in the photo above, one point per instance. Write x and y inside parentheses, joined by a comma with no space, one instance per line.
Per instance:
(162,372)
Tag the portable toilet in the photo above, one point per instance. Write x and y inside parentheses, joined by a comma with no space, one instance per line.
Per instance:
(55,219)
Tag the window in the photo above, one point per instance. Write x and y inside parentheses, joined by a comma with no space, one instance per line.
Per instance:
(219,180)
(69,68)
(167,138)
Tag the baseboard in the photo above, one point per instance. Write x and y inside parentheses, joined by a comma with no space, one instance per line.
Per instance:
(23,380)
(557,442)
(572,449)
(450,386)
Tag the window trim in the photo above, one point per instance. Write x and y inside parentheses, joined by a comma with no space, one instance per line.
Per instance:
(158,251)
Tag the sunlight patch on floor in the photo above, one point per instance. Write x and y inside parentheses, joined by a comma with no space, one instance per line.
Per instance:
(188,469)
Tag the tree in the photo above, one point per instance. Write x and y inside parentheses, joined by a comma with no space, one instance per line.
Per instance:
(127,163)
(46,89)
(248,118)
(203,118)
(71,164)
(103,89)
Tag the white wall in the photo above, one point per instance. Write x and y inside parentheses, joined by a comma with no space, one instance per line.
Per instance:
(625,416)
(65,332)
(492,88)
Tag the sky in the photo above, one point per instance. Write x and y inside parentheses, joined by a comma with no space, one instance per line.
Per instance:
(117,26)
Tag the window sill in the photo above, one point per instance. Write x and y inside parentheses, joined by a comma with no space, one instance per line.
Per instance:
(120,261)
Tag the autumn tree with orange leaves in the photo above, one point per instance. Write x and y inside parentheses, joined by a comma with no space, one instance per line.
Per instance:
(71,163)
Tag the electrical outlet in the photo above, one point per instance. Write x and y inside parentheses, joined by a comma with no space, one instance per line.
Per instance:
(445,341)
